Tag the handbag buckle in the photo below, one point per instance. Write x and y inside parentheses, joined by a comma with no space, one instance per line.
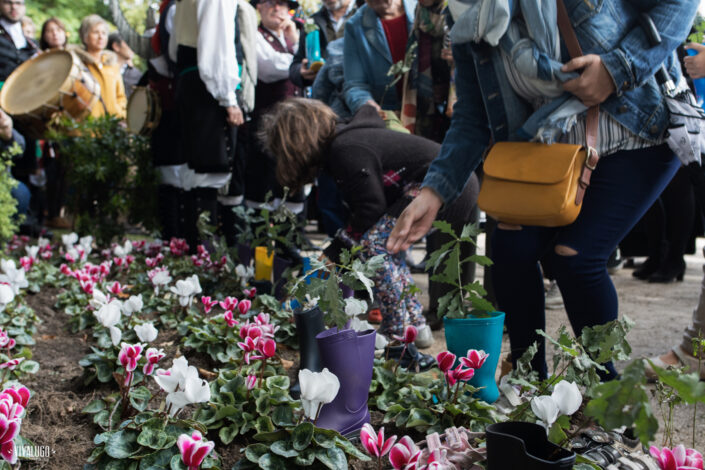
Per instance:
(591,151)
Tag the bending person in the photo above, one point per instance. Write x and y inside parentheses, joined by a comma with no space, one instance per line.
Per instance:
(378,172)
(495,101)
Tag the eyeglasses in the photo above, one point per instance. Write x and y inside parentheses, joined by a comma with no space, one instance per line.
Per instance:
(273,3)
(13,4)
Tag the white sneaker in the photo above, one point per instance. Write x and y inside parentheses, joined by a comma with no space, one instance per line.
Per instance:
(554,300)
(424,338)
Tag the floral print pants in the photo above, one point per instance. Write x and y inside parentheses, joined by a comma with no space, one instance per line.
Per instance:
(392,282)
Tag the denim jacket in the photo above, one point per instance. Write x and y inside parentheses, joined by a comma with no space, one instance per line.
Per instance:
(367,59)
(488,109)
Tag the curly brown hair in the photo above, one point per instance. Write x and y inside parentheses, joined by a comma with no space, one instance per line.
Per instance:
(297,132)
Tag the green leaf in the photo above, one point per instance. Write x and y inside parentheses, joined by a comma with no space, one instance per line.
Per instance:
(154,435)
(139,398)
(94,406)
(228,433)
(159,460)
(271,436)
(283,415)
(324,440)
(254,452)
(688,386)
(332,458)
(420,418)
(305,458)
(264,424)
(350,449)
(272,462)
(122,444)
(277,381)
(301,435)
(284,449)
(29,367)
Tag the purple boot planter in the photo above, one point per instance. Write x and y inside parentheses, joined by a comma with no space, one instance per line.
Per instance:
(348,354)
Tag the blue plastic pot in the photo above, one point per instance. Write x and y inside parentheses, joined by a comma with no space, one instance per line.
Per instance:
(698,83)
(463,334)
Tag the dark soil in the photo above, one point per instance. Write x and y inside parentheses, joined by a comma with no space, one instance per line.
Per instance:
(54,416)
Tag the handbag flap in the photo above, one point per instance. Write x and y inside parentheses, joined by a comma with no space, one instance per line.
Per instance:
(530,162)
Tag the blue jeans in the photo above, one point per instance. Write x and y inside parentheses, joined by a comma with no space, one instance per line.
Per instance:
(623,187)
(22,196)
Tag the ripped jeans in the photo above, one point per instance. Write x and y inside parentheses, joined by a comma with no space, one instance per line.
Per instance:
(622,189)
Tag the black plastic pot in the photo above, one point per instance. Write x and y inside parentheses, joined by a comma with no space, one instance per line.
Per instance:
(516,445)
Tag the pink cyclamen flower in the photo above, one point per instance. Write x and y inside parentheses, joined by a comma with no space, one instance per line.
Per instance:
(153,356)
(475,359)
(410,333)
(12,363)
(251,293)
(194,449)
(251,381)
(445,361)
(129,355)
(404,454)
(459,373)
(229,303)
(374,443)
(26,262)
(678,458)
(116,288)
(244,306)
(6,341)
(19,394)
(228,316)
(9,429)
(248,346)
(268,347)
(250,330)
(208,304)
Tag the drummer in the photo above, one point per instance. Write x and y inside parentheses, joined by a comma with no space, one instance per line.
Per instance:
(103,65)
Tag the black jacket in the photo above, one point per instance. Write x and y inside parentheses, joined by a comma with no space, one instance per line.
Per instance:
(10,56)
(371,166)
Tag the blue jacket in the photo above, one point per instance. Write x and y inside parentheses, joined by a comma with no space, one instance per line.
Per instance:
(488,108)
(367,59)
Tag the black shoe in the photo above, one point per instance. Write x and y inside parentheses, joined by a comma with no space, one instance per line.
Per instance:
(647,268)
(666,274)
(308,325)
(412,357)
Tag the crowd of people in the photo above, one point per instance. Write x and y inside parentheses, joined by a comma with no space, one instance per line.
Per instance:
(256,98)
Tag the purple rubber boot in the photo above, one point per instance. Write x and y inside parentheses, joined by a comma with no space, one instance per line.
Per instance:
(348,354)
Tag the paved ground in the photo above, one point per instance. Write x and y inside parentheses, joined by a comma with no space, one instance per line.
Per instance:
(660,311)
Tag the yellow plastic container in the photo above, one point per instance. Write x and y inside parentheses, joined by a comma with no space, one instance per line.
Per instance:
(263,264)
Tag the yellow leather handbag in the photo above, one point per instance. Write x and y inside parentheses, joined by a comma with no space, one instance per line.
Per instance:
(537,184)
(532,184)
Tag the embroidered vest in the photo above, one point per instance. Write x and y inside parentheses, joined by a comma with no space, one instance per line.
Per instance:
(267,94)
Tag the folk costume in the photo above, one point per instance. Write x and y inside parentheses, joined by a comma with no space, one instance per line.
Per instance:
(203,46)
(232,194)
(274,56)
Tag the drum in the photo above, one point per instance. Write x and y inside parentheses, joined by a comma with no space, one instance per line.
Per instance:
(46,87)
(144,111)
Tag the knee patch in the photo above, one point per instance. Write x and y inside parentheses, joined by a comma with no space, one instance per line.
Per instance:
(562,250)
(503,226)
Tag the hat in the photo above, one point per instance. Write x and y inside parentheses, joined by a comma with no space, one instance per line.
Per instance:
(292,4)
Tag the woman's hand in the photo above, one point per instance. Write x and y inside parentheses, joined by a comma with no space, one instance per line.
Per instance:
(415,221)
(594,85)
(695,65)
(291,32)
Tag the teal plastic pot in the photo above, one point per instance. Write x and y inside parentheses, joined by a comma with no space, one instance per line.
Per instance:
(463,334)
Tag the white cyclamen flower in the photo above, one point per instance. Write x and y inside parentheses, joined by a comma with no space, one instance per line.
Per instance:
(42,242)
(7,295)
(69,240)
(354,306)
(185,290)
(567,397)
(195,390)
(86,243)
(146,332)
(132,305)
(32,251)
(16,278)
(123,250)
(170,379)
(545,410)
(98,299)
(195,284)
(317,388)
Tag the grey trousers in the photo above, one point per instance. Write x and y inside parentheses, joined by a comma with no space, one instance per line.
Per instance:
(697,327)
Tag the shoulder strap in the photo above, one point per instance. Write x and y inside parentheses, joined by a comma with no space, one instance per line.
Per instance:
(592,117)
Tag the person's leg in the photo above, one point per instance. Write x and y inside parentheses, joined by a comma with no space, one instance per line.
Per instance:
(623,187)
(22,195)
(518,287)
(391,283)
(679,207)
(655,222)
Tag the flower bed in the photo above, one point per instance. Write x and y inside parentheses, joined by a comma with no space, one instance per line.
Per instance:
(185,364)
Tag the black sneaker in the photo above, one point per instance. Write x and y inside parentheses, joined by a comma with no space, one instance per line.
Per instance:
(412,357)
